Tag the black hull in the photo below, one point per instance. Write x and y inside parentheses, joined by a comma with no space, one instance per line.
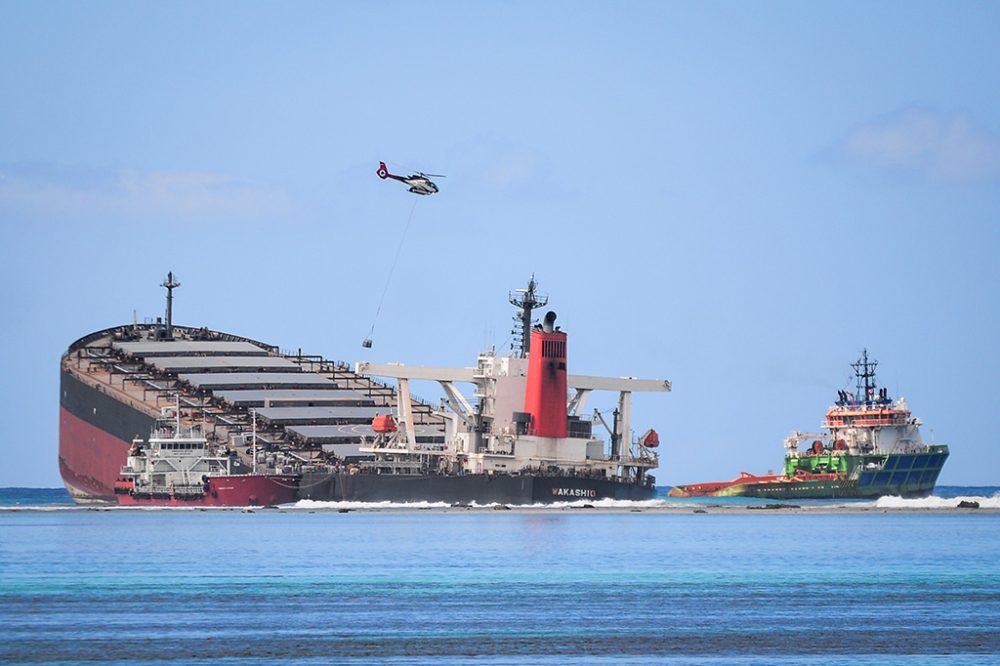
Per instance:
(103,411)
(465,489)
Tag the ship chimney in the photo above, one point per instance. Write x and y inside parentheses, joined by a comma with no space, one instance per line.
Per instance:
(545,394)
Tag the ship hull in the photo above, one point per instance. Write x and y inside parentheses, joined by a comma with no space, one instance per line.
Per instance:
(95,432)
(872,476)
(466,489)
(241,490)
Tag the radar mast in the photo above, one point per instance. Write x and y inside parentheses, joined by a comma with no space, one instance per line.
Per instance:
(864,371)
(525,300)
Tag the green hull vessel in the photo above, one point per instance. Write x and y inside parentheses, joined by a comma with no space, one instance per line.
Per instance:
(905,475)
(872,448)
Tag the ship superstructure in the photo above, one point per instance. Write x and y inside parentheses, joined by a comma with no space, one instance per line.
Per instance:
(521,422)
(522,439)
(872,447)
(172,462)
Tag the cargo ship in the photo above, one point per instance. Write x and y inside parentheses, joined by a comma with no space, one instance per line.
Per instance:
(872,447)
(525,441)
(342,432)
(310,411)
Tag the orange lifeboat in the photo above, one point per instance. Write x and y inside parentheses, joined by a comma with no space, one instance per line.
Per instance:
(383,424)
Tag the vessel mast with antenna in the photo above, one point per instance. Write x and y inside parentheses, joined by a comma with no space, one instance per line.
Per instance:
(864,371)
(525,300)
(170,284)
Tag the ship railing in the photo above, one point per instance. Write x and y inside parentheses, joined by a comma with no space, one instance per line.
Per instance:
(188,402)
(880,421)
(122,329)
(420,404)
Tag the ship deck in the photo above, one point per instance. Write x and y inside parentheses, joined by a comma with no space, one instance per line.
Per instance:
(308,405)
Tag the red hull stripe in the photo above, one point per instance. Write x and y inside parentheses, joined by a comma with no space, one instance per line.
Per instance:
(89,458)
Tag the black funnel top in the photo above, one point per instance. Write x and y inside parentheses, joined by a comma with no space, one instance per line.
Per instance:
(549,324)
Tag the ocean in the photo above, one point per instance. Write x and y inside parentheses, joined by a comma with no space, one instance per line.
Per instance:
(712,583)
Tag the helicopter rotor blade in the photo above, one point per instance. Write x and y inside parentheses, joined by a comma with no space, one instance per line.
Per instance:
(432,175)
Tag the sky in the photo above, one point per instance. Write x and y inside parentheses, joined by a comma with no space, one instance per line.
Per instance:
(738,197)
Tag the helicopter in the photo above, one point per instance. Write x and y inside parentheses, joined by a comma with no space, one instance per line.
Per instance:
(420,183)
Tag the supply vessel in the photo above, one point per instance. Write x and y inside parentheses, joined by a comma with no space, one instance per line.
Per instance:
(248,413)
(178,466)
(872,447)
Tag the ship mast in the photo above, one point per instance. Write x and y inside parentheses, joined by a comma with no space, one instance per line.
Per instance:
(525,301)
(253,414)
(170,285)
(864,371)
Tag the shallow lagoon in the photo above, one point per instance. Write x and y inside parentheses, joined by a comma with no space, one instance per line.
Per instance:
(574,585)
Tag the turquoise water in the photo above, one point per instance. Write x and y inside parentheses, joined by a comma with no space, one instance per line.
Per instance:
(184,587)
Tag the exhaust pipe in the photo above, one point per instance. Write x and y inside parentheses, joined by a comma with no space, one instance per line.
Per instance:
(549,324)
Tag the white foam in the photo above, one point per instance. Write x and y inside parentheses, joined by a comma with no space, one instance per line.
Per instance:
(605,503)
(934,502)
(317,504)
(577,504)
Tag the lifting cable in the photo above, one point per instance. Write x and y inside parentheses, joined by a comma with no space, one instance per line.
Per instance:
(399,248)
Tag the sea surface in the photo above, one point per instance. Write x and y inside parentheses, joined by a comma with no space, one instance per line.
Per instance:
(566,585)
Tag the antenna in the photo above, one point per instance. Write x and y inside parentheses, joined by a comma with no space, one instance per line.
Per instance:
(526,301)
(864,372)
(170,285)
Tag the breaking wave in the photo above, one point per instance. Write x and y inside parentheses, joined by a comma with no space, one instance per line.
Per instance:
(603,504)
(318,504)
(934,502)
(577,504)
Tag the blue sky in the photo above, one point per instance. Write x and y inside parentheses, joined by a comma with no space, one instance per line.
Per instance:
(735,196)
